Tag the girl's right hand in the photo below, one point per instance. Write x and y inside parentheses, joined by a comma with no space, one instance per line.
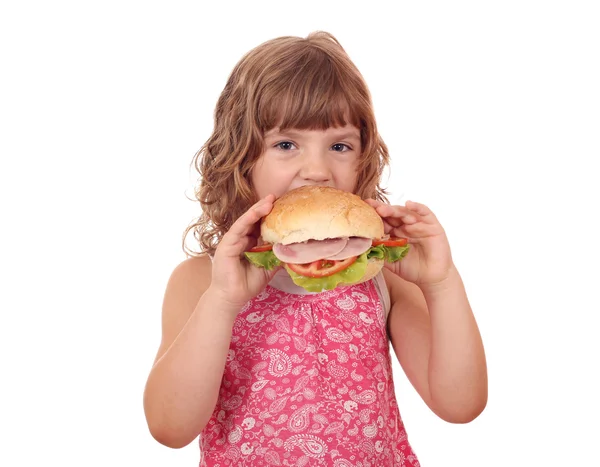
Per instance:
(235,280)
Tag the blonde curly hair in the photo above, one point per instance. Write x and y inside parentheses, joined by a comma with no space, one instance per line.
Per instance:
(287,82)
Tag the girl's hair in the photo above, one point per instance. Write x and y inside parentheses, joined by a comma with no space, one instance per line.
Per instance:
(287,82)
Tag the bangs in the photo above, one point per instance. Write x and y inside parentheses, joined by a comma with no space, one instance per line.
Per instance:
(308,110)
(314,96)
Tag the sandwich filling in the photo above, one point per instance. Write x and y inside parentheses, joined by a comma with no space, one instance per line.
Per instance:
(319,265)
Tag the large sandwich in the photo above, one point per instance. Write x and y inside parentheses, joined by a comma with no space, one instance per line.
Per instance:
(325,238)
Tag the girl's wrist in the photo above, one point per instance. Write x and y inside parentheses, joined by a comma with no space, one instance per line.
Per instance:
(448,283)
(219,304)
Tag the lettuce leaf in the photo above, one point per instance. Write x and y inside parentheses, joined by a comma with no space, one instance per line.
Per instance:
(389,254)
(263,259)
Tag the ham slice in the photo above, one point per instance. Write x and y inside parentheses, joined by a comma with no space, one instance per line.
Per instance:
(356,246)
(307,252)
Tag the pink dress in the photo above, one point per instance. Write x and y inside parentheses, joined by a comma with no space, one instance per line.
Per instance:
(308,382)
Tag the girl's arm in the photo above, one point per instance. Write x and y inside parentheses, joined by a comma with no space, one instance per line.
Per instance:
(431,325)
(436,339)
(183,385)
(200,305)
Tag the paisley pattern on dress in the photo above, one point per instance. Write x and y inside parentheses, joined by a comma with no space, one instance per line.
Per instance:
(308,382)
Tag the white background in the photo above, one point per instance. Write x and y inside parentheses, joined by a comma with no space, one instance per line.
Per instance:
(490,110)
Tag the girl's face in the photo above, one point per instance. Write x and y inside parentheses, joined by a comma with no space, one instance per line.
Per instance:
(294,158)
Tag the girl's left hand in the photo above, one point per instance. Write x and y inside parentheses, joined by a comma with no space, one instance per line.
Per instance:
(429,261)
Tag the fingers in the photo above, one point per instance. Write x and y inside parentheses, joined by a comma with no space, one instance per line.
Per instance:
(246,224)
(419,208)
(247,221)
(412,221)
(373,202)
(396,216)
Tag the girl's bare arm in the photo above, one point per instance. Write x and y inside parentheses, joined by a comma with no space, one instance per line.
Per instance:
(183,385)
(437,342)
(201,302)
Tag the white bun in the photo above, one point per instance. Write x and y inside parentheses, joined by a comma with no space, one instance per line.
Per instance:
(317,213)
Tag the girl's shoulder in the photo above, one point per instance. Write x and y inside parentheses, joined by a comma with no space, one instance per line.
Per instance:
(193,274)
(187,283)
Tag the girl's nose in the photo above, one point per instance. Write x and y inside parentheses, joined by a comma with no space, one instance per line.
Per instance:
(315,168)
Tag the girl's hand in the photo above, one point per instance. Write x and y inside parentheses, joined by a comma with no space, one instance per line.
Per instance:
(234,279)
(428,261)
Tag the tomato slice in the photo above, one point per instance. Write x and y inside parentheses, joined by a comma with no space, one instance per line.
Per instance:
(322,267)
(392,241)
(261,248)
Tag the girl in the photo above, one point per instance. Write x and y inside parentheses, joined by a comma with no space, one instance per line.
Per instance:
(264,372)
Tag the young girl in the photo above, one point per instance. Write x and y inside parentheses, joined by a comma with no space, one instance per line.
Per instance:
(264,372)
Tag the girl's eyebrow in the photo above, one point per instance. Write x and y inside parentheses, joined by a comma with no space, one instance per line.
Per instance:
(348,135)
(273,132)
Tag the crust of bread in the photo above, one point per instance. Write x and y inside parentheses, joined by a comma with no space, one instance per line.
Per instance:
(317,213)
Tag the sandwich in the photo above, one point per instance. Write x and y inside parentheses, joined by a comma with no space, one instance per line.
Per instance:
(325,238)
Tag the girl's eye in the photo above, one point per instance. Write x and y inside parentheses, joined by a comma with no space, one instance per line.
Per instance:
(340,147)
(285,145)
